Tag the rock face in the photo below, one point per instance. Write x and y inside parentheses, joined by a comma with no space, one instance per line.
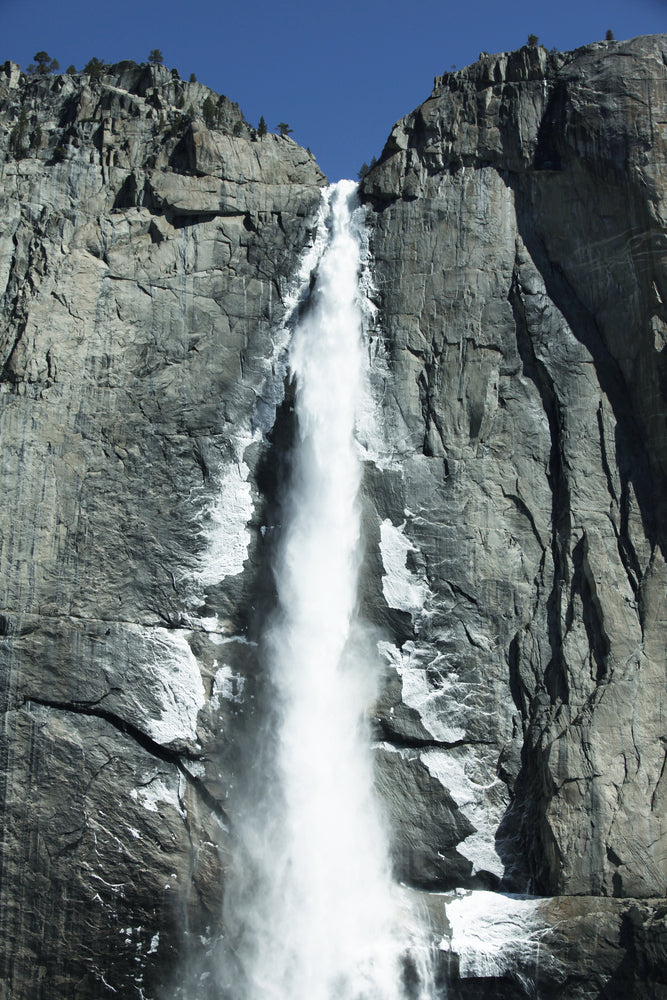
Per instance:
(515,509)
(518,221)
(144,257)
(567,947)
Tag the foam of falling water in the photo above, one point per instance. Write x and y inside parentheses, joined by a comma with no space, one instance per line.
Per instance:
(312,911)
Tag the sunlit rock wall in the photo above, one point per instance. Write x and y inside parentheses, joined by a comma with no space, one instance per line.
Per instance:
(513,507)
(144,259)
(518,221)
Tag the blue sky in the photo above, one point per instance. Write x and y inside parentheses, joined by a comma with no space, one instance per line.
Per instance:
(340,74)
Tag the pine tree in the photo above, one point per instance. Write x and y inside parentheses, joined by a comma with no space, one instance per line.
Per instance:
(261,128)
(155,57)
(94,68)
(284,129)
(17,136)
(208,111)
(42,59)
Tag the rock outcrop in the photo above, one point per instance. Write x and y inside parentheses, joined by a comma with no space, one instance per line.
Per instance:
(144,259)
(515,509)
(518,229)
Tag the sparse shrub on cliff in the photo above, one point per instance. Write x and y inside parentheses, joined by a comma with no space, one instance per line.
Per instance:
(366,168)
(17,137)
(94,68)
(609,36)
(208,111)
(533,40)
(176,126)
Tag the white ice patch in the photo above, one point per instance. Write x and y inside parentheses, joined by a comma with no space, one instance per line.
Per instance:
(462,771)
(226,527)
(437,705)
(492,934)
(166,664)
(375,431)
(380,437)
(196,768)
(228,686)
(156,791)
(403,590)
(210,624)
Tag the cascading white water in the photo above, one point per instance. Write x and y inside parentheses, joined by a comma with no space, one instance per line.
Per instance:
(318,912)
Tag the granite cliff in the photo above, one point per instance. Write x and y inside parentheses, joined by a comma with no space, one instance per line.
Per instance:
(143,256)
(514,507)
(518,221)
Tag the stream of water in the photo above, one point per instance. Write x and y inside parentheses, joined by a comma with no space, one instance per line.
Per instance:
(319,915)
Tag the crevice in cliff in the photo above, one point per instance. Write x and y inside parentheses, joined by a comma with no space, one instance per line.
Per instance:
(660,777)
(29,622)
(555,674)
(632,459)
(626,550)
(177,758)
(526,820)
(524,509)
(385,733)
(592,615)
(19,285)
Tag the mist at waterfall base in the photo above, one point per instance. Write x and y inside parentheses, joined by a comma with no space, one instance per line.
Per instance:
(310,910)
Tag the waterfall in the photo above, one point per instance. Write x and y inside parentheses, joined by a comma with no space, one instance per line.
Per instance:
(312,911)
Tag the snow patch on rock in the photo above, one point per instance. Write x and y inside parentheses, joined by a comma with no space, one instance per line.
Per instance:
(403,589)
(493,934)
(169,669)
(436,702)
(480,795)
(375,437)
(226,524)
(156,791)
(227,686)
